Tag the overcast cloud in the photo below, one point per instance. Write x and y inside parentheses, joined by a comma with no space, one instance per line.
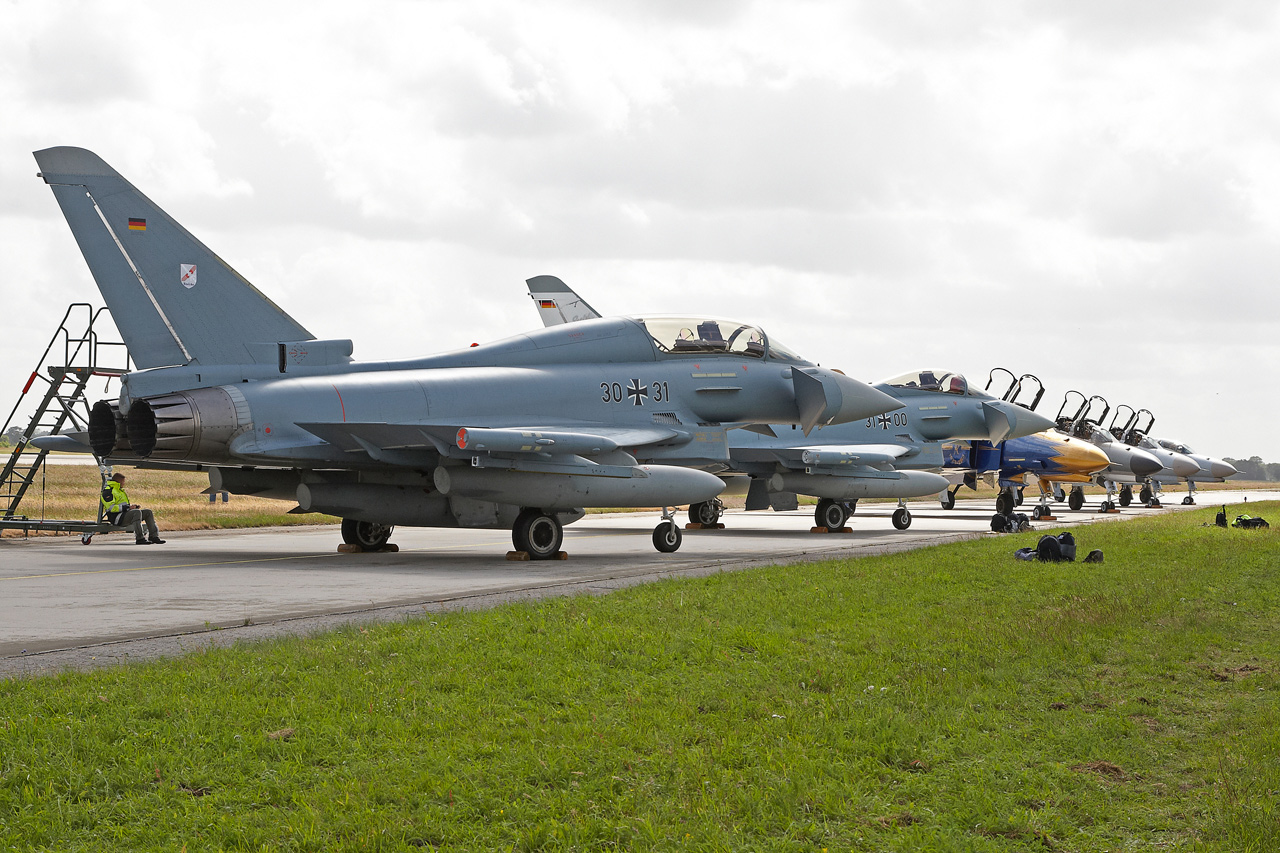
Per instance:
(1086,191)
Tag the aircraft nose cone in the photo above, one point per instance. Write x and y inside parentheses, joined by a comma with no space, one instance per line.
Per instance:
(1220,469)
(1009,420)
(1143,464)
(1081,457)
(1183,465)
(837,398)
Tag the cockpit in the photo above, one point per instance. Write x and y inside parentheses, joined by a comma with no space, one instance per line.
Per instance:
(690,336)
(941,381)
(1175,446)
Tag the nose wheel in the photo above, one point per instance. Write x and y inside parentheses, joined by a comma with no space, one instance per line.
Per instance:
(667,536)
(901,518)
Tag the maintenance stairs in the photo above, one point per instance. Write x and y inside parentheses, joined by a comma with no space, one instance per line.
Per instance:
(72,359)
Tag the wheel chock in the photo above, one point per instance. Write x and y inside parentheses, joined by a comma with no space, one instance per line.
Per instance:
(1047,518)
(344,548)
(829,530)
(562,555)
(389,548)
(518,556)
(696,525)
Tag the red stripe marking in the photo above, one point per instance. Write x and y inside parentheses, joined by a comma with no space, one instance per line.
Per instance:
(27,387)
(340,403)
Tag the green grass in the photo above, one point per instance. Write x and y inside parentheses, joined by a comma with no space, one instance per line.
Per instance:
(945,699)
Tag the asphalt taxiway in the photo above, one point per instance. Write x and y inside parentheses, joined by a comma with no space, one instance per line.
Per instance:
(67,605)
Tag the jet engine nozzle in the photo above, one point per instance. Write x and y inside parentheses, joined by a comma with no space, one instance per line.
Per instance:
(194,424)
(827,397)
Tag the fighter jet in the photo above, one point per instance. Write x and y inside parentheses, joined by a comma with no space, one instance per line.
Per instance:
(1130,465)
(1048,458)
(521,433)
(1169,452)
(888,456)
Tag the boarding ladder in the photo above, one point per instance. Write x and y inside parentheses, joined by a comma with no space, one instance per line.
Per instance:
(74,356)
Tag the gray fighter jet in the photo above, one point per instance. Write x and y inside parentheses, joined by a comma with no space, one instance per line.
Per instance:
(520,433)
(879,457)
(1136,432)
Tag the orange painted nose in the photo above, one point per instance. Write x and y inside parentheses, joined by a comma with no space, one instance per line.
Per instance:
(1077,456)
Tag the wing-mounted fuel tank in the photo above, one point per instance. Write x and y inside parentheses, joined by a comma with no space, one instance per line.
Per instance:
(197,424)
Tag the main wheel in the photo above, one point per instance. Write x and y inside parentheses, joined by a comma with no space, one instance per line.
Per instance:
(1076,499)
(1126,496)
(1004,503)
(1017,501)
(948,499)
(830,514)
(705,513)
(369,535)
(667,537)
(1145,494)
(901,518)
(537,533)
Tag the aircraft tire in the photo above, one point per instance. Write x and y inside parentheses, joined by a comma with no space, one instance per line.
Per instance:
(667,537)
(369,535)
(1145,494)
(1188,500)
(539,534)
(901,518)
(949,500)
(705,513)
(830,514)
(1126,496)
(1075,500)
(1004,503)
(1017,499)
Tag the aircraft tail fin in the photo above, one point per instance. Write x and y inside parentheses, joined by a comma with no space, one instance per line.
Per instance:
(557,303)
(173,300)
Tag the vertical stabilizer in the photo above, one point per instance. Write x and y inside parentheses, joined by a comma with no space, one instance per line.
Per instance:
(557,303)
(173,300)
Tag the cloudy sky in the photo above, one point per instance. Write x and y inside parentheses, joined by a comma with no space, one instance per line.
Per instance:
(1088,191)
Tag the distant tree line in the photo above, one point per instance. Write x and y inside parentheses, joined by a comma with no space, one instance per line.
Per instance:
(1254,468)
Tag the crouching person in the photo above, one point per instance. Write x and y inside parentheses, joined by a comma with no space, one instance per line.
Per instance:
(118,511)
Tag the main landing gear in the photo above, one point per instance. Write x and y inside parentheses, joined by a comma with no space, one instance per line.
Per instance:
(1005,502)
(948,498)
(832,514)
(1126,495)
(366,535)
(706,513)
(1075,500)
(537,533)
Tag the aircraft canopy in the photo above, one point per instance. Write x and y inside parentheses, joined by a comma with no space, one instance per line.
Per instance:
(690,335)
(931,380)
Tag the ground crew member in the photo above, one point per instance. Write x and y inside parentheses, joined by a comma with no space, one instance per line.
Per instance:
(118,511)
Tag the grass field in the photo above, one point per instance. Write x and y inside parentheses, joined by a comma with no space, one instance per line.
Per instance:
(945,699)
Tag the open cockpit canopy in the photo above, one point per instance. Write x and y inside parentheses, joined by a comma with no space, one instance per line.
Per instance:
(942,381)
(691,335)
